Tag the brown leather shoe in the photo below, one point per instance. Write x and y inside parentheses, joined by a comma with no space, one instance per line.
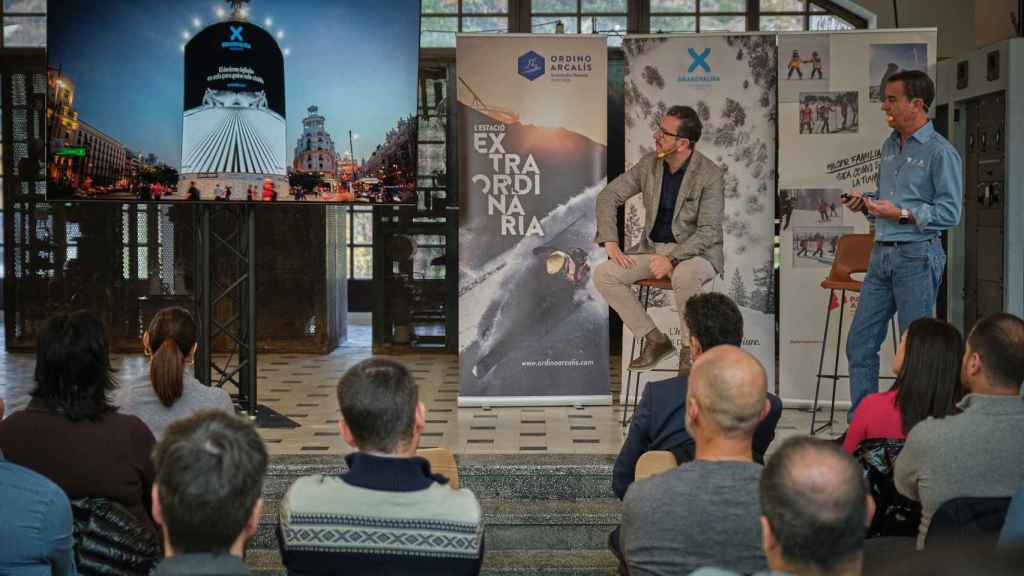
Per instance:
(685,362)
(655,347)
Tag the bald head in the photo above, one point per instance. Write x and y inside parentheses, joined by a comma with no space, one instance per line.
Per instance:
(730,387)
(813,497)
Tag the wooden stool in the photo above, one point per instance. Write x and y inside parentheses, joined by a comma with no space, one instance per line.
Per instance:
(853,252)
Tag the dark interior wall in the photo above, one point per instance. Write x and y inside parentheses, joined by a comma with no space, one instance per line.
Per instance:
(300,280)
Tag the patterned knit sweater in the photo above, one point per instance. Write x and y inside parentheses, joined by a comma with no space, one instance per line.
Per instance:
(384,516)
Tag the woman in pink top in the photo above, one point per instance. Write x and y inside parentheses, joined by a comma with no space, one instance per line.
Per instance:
(927,369)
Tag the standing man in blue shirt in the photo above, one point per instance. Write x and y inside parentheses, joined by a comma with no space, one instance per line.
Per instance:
(919,195)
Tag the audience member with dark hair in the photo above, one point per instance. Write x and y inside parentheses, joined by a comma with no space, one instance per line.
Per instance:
(705,512)
(169,391)
(814,507)
(927,369)
(210,468)
(418,523)
(36,529)
(70,432)
(712,319)
(978,452)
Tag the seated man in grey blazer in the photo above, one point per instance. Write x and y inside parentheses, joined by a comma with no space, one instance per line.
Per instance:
(682,236)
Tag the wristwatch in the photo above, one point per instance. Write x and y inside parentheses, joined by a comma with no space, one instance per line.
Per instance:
(904,216)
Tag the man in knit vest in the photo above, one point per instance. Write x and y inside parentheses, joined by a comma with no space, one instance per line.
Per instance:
(387,514)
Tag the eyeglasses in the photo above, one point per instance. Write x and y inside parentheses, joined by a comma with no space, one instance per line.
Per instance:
(663,133)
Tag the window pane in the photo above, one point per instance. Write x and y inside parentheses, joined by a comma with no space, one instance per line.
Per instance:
(431,162)
(362,263)
(25,6)
(548,23)
(782,6)
(431,128)
(816,8)
(362,225)
(494,24)
(614,26)
(724,23)
(604,6)
(439,7)
(422,267)
(540,6)
(438,31)
(781,23)
(673,6)
(673,24)
(25,31)
(723,6)
(829,23)
(141,228)
(485,6)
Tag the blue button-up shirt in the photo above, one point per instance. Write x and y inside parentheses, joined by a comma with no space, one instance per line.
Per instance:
(35,531)
(924,176)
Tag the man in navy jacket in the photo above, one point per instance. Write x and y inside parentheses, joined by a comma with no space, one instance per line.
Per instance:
(658,422)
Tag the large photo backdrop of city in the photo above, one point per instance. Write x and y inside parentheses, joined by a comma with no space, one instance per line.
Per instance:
(138,112)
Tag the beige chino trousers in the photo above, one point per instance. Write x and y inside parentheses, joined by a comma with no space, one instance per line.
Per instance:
(615,283)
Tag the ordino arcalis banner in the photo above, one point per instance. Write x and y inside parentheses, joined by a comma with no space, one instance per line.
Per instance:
(532,121)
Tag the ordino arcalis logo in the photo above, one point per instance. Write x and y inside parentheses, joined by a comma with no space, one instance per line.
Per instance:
(531,65)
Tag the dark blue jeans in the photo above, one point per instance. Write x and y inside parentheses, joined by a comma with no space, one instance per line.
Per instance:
(904,279)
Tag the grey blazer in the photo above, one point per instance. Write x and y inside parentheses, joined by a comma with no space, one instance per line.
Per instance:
(700,208)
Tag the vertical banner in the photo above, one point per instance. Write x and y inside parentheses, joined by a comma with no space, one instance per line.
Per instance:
(233,128)
(532,120)
(731,82)
(831,129)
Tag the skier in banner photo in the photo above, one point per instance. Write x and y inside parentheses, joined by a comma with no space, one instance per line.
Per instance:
(815,63)
(794,66)
(683,198)
(557,275)
(786,205)
(803,246)
(824,110)
(806,119)
(820,245)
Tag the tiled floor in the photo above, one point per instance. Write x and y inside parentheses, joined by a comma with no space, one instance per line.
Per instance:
(302,389)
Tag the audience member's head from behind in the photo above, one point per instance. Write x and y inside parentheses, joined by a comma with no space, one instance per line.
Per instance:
(380,408)
(927,369)
(170,342)
(814,507)
(712,318)
(209,477)
(725,400)
(993,361)
(73,374)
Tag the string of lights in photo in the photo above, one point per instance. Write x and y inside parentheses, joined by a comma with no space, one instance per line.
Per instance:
(222,13)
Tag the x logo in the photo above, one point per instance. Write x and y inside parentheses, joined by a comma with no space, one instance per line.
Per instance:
(236,34)
(699,60)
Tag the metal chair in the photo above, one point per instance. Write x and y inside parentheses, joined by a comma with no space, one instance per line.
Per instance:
(646,286)
(853,252)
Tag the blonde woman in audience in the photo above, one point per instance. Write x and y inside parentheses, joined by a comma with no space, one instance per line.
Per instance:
(927,369)
(169,391)
(70,432)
